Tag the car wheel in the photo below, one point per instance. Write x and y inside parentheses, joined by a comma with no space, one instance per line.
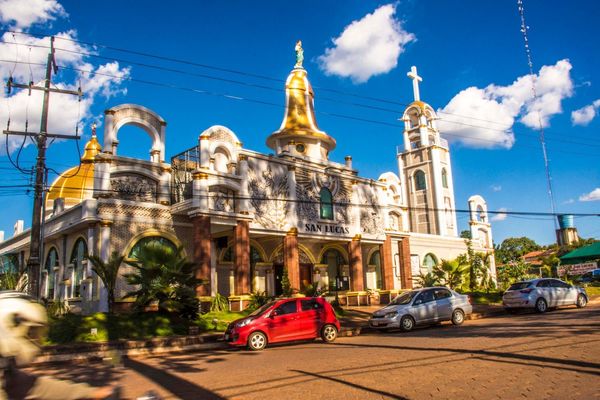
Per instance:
(458,317)
(541,306)
(407,323)
(329,333)
(581,301)
(257,341)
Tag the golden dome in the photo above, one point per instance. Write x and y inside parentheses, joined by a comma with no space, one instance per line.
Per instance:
(299,119)
(77,183)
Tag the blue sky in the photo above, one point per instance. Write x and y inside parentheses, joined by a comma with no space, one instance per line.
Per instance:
(470,54)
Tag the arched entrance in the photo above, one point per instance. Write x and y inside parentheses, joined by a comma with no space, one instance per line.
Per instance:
(306,270)
(335,262)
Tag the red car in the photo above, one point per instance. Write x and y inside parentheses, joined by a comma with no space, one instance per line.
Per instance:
(284,321)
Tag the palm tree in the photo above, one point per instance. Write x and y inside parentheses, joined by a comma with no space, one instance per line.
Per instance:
(164,275)
(454,272)
(427,280)
(108,273)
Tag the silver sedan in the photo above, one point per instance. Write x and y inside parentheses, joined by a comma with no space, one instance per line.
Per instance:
(541,294)
(422,306)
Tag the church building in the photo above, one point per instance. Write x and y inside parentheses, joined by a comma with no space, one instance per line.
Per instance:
(245,217)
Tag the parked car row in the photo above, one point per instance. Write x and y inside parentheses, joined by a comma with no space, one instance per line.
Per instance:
(313,317)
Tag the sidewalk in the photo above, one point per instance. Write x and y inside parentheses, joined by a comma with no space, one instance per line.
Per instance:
(354,321)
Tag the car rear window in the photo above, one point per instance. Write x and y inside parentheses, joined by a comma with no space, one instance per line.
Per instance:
(519,286)
(311,304)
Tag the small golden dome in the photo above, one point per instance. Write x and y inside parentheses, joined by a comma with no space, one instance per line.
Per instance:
(77,183)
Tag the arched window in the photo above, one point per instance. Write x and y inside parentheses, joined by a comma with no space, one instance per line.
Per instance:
(326,204)
(376,261)
(334,261)
(420,183)
(52,262)
(78,255)
(481,214)
(429,261)
(444,178)
(150,241)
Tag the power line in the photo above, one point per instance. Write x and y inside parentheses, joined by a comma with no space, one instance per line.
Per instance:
(256,101)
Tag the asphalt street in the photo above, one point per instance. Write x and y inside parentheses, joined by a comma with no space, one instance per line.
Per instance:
(551,356)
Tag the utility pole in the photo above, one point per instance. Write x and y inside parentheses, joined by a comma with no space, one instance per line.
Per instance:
(34,262)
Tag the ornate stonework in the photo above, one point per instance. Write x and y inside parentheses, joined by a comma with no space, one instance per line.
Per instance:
(371,220)
(134,187)
(223,200)
(268,192)
(308,188)
(137,113)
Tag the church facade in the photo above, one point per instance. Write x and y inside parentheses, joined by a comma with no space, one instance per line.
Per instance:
(246,218)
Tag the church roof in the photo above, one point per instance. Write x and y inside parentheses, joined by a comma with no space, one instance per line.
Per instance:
(77,183)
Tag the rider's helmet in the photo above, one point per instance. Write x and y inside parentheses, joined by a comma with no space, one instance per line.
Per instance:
(23,323)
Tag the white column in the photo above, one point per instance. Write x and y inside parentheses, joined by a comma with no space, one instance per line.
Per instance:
(244,201)
(292,215)
(451,192)
(204,151)
(406,140)
(437,191)
(402,176)
(105,227)
(200,190)
(213,271)
(163,128)
(109,134)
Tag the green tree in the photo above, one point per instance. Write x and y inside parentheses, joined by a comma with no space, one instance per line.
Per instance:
(108,273)
(466,234)
(427,280)
(453,273)
(512,249)
(286,286)
(164,275)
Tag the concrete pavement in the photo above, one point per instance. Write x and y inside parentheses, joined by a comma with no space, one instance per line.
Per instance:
(535,356)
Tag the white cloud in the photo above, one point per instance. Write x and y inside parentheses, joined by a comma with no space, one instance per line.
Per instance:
(496,188)
(485,117)
(367,47)
(586,114)
(569,201)
(65,111)
(22,14)
(500,215)
(594,195)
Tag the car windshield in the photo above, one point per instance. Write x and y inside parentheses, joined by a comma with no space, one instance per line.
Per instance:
(519,286)
(404,298)
(261,309)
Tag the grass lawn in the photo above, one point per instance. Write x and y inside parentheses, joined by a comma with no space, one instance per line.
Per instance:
(593,290)
(217,321)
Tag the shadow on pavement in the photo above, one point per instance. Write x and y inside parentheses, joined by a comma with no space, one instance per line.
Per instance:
(181,388)
(354,385)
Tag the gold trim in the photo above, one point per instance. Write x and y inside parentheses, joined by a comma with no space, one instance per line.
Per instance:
(199,175)
(292,232)
(242,157)
(357,237)
(105,223)
(291,167)
(204,137)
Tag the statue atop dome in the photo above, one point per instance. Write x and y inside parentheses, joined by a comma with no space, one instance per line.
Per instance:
(299,54)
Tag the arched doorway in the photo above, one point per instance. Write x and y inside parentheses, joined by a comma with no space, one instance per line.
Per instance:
(334,260)
(374,276)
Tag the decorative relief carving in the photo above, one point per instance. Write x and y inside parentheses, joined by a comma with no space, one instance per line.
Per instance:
(223,135)
(133,211)
(134,187)
(268,192)
(370,212)
(223,200)
(308,188)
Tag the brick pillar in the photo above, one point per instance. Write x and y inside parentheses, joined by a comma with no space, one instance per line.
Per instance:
(241,245)
(202,244)
(356,264)
(291,258)
(387,263)
(405,268)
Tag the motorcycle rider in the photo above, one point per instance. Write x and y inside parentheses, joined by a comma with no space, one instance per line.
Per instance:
(23,323)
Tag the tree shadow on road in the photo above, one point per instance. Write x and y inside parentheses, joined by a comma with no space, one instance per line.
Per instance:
(181,388)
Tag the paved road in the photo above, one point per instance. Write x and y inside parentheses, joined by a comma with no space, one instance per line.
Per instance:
(550,356)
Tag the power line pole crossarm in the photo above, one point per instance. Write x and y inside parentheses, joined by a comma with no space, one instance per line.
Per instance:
(36,241)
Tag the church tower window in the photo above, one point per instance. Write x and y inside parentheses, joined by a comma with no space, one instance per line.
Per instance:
(444,178)
(78,255)
(420,183)
(326,204)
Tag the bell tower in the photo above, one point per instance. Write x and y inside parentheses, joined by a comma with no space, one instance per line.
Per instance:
(425,165)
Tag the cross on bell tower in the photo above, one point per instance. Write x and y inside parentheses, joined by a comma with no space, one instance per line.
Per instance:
(416,79)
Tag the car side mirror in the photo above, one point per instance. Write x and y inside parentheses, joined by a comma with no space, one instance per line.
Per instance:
(417,302)
(274,313)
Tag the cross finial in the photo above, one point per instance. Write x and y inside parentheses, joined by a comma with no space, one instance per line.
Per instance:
(416,79)
(93,129)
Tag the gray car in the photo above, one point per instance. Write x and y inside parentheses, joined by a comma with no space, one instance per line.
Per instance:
(541,294)
(422,306)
